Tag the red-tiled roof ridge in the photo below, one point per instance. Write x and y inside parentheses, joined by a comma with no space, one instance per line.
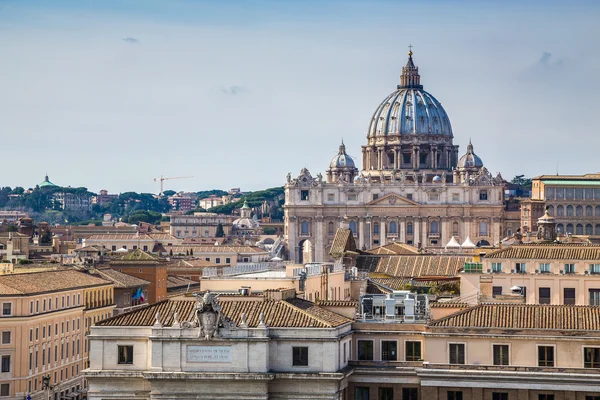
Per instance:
(289,303)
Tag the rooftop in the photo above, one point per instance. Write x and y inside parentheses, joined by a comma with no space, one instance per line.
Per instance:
(47,281)
(548,251)
(119,279)
(524,316)
(290,313)
(412,266)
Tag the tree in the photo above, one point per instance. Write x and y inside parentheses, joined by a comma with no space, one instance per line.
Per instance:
(46,238)
(521,181)
(11,228)
(220,231)
(169,193)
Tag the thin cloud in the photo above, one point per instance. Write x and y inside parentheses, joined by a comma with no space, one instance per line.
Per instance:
(233,90)
(131,40)
(547,62)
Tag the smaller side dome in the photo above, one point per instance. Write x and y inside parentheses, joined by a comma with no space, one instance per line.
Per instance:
(470,159)
(342,160)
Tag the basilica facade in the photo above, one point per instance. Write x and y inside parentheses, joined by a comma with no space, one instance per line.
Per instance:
(413,187)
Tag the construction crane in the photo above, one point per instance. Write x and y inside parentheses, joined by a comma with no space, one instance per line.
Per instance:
(162,179)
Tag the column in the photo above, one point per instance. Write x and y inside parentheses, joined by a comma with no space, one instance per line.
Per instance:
(319,242)
(434,157)
(361,233)
(364,158)
(467,227)
(424,230)
(445,232)
(416,230)
(415,157)
(402,230)
(382,238)
(292,237)
(398,162)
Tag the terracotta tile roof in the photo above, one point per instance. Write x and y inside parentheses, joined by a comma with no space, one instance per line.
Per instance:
(395,248)
(192,264)
(550,251)
(119,279)
(87,249)
(292,313)
(138,255)
(199,248)
(412,266)
(163,236)
(47,281)
(118,236)
(342,241)
(174,282)
(448,304)
(569,177)
(336,303)
(396,283)
(524,316)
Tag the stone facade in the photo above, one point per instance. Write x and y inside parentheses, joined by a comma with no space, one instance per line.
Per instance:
(413,188)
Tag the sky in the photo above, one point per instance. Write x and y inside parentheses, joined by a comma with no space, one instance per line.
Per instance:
(112,94)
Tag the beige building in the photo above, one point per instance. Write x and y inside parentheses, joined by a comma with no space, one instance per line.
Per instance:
(546,273)
(148,242)
(413,187)
(574,200)
(45,316)
(221,254)
(201,224)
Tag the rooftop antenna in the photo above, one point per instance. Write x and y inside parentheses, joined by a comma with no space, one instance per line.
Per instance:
(556,167)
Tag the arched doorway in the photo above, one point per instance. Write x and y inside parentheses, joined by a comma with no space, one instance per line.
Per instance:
(305,252)
(483,243)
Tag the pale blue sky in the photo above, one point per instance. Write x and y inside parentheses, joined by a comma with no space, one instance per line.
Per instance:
(109,94)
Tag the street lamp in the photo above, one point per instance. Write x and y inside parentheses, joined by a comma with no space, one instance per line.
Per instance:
(46,385)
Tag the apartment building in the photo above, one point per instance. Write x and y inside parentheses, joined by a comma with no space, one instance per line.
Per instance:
(43,323)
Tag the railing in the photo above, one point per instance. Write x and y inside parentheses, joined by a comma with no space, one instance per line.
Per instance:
(245,268)
(395,364)
(433,236)
(466,367)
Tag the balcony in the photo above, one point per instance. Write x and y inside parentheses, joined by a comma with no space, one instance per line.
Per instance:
(433,235)
(392,235)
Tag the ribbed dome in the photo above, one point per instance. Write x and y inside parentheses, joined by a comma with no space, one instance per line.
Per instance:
(470,159)
(410,110)
(342,160)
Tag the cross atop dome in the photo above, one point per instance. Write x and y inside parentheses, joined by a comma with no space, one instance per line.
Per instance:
(410,78)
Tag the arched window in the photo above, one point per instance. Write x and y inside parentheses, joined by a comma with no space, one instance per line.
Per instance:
(560,211)
(483,228)
(569,228)
(569,211)
(597,211)
(376,228)
(409,228)
(455,229)
(579,229)
(353,227)
(589,211)
(589,229)
(433,227)
(560,228)
(393,227)
(304,228)
(330,227)
(551,210)
(579,211)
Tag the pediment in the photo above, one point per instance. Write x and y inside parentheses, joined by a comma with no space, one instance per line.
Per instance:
(393,199)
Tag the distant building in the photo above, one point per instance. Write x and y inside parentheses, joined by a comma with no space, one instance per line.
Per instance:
(182,202)
(131,293)
(213,201)
(245,226)
(144,266)
(198,225)
(11,217)
(103,198)
(73,201)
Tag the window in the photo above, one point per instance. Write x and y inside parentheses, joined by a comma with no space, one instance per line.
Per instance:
(376,228)
(300,356)
(330,197)
(409,196)
(385,393)
(5,389)
(453,395)
(352,227)
(496,291)
(594,269)
(545,397)
(6,337)
(393,227)
(499,396)
(304,228)
(5,363)
(330,228)
(227,260)
(409,228)
(413,351)
(520,268)
(483,228)
(591,357)
(500,354)
(569,296)
(352,196)
(544,293)
(365,350)
(410,394)
(6,308)
(594,297)
(361,393)
(389,350)
(457,353)
(544,268)
(546,356)
(592,397)
(304,195)
(125,354)
(434,227)
(455,230)
(569,268)
(218,260)
(496,267)
(483,195)
(455,197)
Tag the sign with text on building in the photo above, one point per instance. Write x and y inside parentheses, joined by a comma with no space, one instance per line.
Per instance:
(198,354)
